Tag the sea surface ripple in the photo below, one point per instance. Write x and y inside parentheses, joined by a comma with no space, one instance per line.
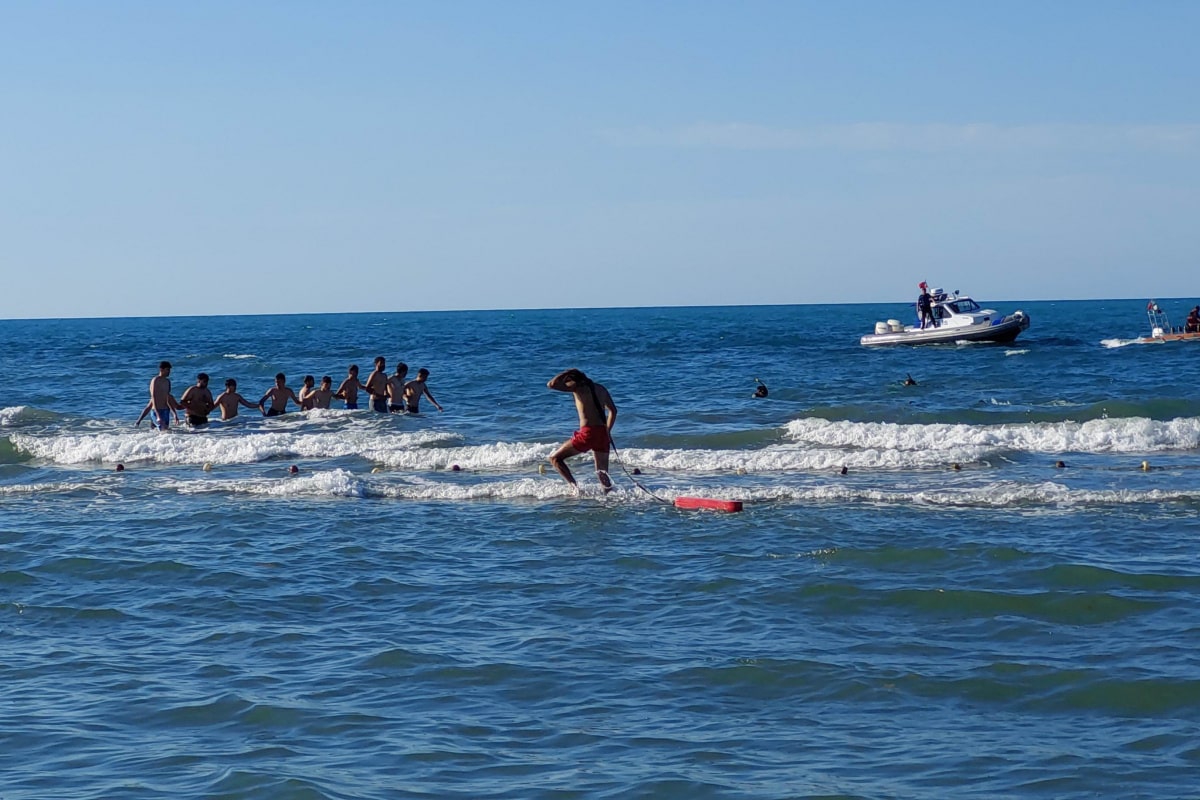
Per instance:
(952,616)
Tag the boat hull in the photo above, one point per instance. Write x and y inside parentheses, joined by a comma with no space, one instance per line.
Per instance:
(1169,337)
(1004,330)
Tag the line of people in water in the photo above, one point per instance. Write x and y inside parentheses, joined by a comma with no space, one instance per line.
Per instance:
(387,394)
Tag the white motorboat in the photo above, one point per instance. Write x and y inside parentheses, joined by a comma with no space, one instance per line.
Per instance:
(958,318)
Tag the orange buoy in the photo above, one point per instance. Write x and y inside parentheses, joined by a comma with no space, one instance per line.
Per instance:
(709,503)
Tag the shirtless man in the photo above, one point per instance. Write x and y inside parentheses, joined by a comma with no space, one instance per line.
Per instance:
(279,395)
(197,402)
(229,400)
(307,390)
(395,388)
(348,391)
(413,391)
(161,401)
(377,384)
(322,394)
(597,415)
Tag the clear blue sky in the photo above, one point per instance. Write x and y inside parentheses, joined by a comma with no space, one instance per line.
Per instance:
(161,158)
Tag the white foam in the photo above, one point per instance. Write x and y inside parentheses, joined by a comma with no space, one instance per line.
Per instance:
(239,356)
(9,416)
(221,447)
(1124,435)
(790,458)
(1015,352)
(342,483)
(1117,342)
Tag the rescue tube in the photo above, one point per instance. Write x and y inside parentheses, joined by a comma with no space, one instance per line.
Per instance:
(708,503)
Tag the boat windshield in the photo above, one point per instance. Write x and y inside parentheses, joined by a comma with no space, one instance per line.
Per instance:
(964,306)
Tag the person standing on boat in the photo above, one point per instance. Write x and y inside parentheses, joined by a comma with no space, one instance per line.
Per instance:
(1192,323)
(925,307)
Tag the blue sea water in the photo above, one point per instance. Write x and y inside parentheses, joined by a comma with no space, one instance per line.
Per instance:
(955,616)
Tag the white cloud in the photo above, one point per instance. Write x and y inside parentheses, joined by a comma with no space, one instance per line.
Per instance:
(897,137)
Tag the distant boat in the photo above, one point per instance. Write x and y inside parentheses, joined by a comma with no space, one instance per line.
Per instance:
(1161,329)
(959,319)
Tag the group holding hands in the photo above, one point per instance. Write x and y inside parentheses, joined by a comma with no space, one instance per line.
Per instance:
(388,393)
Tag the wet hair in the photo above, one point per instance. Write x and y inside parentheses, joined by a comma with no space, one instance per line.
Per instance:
(380,360)
(353,368)
(577,376)
(326,379)
(309,379)
(279,376)
(401,367)
(164,365)
(422,373)
(203,376)
(230,382)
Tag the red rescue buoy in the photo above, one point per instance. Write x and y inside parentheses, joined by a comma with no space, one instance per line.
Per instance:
(709,503)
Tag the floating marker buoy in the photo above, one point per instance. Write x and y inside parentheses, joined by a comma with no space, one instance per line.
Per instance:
(120,467)
(708,503)
(293,469)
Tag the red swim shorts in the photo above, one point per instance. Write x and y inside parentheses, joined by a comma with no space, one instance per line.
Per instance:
(591,437)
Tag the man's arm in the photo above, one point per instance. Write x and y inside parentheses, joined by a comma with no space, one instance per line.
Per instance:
(610,407)
(246,402)
(429,394)
(561,382)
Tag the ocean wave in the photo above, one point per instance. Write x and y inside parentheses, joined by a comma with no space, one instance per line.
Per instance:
(18,416)
(343,483)
(238,356)
(1123,435)
(794,458)
(340,483)
(239,448)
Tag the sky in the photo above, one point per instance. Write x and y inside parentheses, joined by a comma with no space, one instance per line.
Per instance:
(176,158)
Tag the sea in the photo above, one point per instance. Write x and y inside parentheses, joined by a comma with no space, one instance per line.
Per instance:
(983,585)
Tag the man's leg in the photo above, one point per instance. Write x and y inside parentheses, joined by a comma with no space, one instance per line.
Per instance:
(558,461)
(601,457)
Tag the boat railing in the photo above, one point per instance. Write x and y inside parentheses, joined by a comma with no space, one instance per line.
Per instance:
(1159,323)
